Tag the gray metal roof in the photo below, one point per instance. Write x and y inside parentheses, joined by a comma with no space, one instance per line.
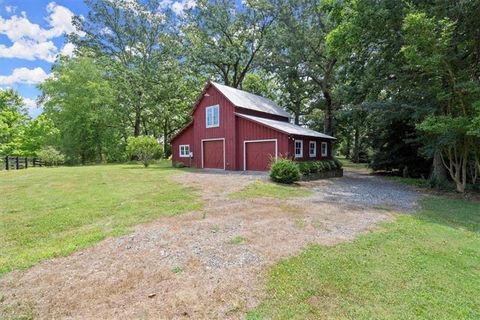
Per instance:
(286,127)
(251,101)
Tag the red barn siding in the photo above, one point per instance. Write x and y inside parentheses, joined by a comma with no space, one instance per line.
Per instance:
(225,130)
(306,141)
(185,137)
(234,130)
(249,130)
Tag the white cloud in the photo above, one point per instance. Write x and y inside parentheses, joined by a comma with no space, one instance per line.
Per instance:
(10,9)
(30,103)
(68,50)
(24,76)
(180,6)
(29,40)
(30,50)
(59,19)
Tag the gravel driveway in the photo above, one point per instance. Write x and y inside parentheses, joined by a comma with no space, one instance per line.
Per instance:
(193,266)
(359,188)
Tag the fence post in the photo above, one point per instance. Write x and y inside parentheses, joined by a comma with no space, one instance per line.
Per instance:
(16,162)
(33,162)
(7,165)
(26,162)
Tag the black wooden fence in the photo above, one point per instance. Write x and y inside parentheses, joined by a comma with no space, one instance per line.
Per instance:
(16,163)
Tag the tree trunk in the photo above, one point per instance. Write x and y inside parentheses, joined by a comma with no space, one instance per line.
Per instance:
(328,120)
(136,129)
(356,148)
(439,172)
(165,137)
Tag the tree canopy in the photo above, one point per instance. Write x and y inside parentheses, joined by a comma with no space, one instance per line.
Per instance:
(396,82)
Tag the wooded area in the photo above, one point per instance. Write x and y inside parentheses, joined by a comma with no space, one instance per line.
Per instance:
(396,82)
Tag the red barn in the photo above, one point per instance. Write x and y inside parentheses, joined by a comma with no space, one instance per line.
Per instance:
(236,130)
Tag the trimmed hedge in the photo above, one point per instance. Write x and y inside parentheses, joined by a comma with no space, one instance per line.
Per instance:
(284,171)
(311,167)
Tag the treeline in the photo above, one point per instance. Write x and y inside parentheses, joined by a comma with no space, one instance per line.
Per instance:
(396,82)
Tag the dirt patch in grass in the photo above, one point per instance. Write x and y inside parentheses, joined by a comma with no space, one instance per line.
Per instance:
(186,266)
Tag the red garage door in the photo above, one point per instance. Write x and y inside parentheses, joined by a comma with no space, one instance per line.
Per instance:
(258,155)
(213,154)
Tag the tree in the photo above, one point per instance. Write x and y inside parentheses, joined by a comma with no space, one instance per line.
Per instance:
(144,148)
(133,40)
(224,39)
(434,51)
(300,55)
(79,100)
(13,120)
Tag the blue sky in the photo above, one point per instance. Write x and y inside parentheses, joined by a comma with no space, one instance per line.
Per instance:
(32,34)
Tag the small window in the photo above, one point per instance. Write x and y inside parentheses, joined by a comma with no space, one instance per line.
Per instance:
(312,150)
(324,149)
(298,148)
(212,116)
(184,150)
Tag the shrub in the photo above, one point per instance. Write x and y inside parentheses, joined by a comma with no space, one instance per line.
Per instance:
(51,155)
(178,164)
(304,167)
(309,167)
(144,148)
(284,171)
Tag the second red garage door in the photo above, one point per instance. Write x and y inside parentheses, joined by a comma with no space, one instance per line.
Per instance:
(259,154)
(213,155)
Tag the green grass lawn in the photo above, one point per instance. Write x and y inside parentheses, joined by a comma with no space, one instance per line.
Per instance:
(271,190)
(49,212)
(347,164)
(422,266)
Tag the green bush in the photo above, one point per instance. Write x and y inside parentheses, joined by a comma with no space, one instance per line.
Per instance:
(178,164)
(51,156)
(308,167)
(284,171)
(144,148)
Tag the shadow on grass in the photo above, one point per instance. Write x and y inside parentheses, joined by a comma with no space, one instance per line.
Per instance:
(455,213)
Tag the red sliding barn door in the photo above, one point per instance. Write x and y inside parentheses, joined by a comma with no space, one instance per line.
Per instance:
(213,154)
(258,155)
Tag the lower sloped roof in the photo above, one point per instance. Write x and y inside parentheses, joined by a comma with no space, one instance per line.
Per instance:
(286,127)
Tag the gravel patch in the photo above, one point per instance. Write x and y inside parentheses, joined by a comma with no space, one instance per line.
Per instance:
(186,266)
(357,188)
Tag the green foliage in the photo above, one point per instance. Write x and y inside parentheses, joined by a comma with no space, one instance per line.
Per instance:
(178,164)
(49,215)
(284,171)
(51,156)
(84,114)
(13,121)
(144,148)
(411,268)
(225,42)
(308,167)
(270,190)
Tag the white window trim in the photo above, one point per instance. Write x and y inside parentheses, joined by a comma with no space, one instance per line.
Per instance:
(180,151)
(295,149)
(254,141)
(206,116)
(324,154)
(314,154)
(214,139)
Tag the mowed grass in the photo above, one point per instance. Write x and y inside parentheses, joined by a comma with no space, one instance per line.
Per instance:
(271,190)
(422,266)
(348,164)
(50,212)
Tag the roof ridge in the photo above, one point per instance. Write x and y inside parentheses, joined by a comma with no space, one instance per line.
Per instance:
(244,99)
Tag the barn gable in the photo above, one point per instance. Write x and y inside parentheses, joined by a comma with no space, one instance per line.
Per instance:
(236,130)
